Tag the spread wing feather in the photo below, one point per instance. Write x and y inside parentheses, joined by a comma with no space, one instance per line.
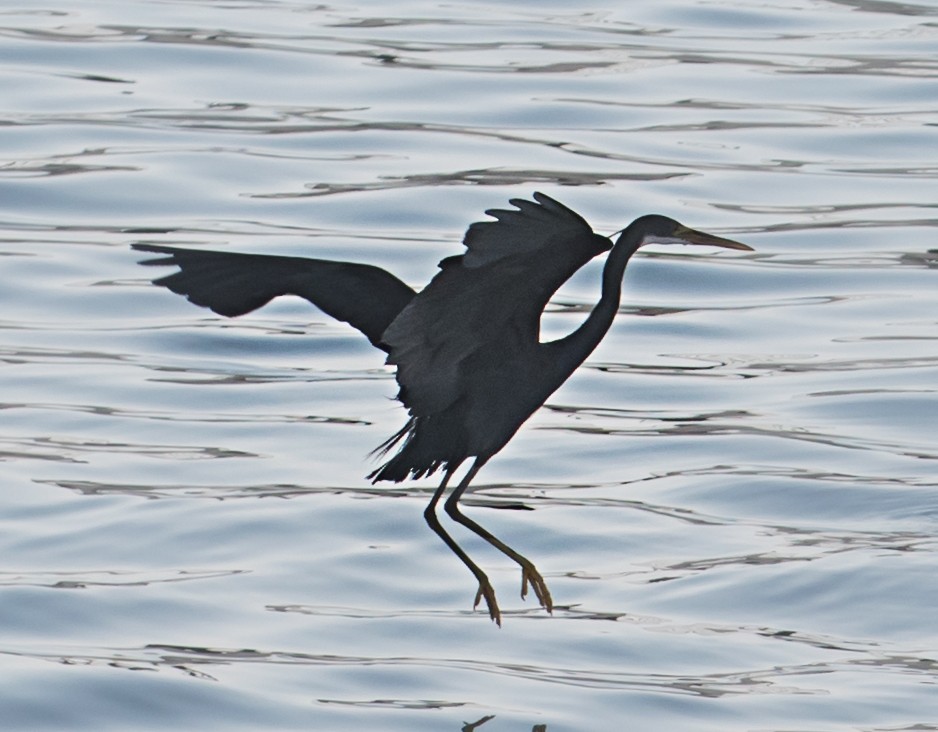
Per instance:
(231,284)
(543,227)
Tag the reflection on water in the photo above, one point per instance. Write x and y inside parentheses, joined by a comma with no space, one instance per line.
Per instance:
(200,662)
(704,425)
(104,578)
(734,502)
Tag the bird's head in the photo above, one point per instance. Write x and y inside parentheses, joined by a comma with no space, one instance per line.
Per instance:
(656,229)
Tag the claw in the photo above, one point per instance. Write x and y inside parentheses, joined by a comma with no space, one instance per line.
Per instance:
(529,575)
(485,590)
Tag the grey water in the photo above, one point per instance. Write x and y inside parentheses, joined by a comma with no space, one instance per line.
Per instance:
(734,501)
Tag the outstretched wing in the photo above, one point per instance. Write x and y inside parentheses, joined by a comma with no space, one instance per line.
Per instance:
(231,284)
(543,229)
(485,306)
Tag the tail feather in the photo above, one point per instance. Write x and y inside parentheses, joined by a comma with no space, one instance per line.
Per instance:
(411,460)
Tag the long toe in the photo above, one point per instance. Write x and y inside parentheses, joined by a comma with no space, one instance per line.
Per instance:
(487,591)
(529,575)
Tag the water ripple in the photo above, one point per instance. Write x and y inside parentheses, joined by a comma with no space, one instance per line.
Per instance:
(78,451)
(769,565)
(77,580)
(201,662)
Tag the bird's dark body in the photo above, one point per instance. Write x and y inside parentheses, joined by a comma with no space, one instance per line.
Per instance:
(470,363)
(477,322)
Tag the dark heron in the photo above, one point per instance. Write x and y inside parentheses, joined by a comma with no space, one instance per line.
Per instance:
(470,364)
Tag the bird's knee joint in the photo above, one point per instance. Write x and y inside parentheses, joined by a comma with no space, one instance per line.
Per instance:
(452,509)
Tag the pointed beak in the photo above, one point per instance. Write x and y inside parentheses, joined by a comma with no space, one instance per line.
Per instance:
(692,236)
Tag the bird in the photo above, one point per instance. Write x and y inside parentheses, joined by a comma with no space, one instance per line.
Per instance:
(470,365)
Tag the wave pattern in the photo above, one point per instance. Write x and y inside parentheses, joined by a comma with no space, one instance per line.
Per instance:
(735,501)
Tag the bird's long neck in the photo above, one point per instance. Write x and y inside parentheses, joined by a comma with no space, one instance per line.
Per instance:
(566,354)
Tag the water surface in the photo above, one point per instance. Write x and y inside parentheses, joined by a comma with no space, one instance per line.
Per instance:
(734,501)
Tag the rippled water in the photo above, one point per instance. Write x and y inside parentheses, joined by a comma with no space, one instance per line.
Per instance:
(734,501)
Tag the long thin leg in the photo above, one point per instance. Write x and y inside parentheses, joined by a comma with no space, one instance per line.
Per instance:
(529,573)
(485,586)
